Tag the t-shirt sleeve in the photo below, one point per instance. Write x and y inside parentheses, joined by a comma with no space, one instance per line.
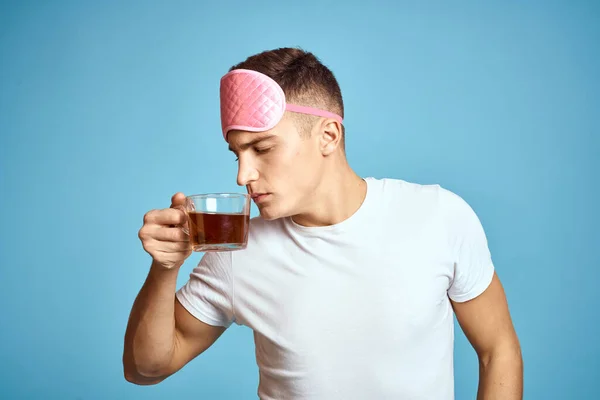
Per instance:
(473,266)
(207,295)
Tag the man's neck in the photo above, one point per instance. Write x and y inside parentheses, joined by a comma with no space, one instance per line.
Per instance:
(338,197)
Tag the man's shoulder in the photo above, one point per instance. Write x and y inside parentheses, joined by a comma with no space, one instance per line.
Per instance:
(404,189)
(412,195)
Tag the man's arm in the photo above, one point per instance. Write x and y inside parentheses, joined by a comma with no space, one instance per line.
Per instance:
(487,324)
(162,336)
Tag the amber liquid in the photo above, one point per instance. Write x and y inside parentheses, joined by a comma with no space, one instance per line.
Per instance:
(213,231)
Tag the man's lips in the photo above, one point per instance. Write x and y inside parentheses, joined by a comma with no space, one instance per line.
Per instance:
(259,196)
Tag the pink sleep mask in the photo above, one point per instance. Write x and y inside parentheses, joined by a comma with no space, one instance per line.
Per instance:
(252,101)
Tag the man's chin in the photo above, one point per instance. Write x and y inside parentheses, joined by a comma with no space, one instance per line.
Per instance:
(268,214)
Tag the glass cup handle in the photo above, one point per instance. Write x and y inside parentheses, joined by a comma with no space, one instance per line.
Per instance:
(188,205)
(184,229)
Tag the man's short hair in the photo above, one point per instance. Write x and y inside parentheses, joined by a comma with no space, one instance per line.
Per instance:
(304,80)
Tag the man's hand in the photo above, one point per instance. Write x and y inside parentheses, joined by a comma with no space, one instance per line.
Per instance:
(162,235)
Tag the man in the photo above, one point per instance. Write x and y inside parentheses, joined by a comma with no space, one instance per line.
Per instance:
(349,283)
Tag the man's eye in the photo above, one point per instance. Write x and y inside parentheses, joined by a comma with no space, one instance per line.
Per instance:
(263,150)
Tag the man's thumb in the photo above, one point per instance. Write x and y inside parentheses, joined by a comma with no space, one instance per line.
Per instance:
(178,199)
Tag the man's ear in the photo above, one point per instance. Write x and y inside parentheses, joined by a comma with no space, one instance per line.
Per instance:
(329,132)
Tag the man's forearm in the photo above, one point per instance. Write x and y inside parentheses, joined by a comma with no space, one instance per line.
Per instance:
(149,338)
(501,376)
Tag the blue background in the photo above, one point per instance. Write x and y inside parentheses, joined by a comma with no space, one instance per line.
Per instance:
(108,108)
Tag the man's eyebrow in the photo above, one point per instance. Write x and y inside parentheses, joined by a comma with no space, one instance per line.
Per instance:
(252,142)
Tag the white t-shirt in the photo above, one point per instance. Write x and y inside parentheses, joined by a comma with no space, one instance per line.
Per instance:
(357,310)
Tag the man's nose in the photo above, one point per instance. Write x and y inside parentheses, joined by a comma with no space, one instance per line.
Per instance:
(246,172)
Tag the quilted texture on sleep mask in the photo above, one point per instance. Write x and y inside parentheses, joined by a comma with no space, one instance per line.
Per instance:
(252,101)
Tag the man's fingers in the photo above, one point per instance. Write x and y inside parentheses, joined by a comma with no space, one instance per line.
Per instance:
(174,247)
(166,217)
(164,234)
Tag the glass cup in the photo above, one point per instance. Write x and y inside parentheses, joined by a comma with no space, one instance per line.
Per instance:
(218,221)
